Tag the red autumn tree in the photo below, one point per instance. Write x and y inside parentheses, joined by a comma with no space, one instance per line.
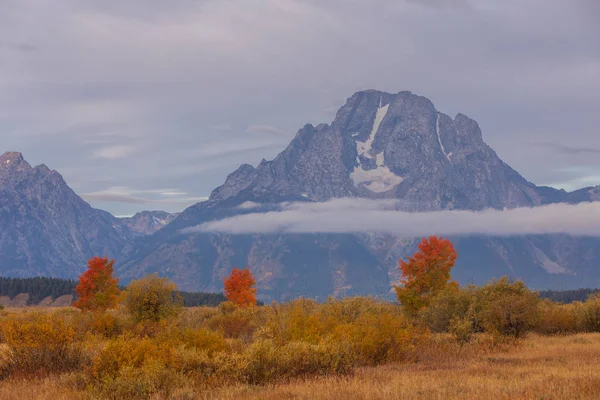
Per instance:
(97,289)
(426,273)
(239,287)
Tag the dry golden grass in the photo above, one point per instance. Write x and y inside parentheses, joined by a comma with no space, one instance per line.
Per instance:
(47,389)
(538,367)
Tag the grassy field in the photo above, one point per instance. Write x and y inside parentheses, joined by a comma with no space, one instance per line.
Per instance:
(537,367)
(498,341)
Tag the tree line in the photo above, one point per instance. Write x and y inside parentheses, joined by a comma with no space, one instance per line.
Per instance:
(38,288)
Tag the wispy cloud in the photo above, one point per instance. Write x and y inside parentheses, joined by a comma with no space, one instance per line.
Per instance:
(359,216)
(567,149)
(266,130)
(17,46)
(113,152)
(139,196)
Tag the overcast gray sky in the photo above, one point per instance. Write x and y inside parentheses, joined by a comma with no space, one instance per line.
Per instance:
(151,104)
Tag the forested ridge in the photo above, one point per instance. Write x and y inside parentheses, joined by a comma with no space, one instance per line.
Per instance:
(39,288)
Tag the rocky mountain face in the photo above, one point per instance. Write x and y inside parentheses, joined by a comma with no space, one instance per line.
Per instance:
(45,228)
(388,146)
(148,222)
(379,146)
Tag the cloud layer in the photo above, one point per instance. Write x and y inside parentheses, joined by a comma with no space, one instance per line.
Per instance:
(360,216)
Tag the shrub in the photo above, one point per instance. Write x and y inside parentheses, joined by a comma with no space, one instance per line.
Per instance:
(378,338)
(205,340)
(104,324)
(590,314)
(297,320)
(462,329)
(449,305)
(129,351)
(40,344)
(508,308)
(560,318)
(139,383)
(234,322)
(152,299)
(267,362)
(373,331)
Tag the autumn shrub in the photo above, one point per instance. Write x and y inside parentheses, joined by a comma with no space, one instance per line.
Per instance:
(152,299)
(203,339)
(267,362)
(558,318)
(461,329)
(150,379)
(104,324)
(196,317)
(508,308)
(234,321)
(297,320)
(129,352)
(379,338)
(449,305)
(40,344)
(590,314)
(501,307)
(372,331)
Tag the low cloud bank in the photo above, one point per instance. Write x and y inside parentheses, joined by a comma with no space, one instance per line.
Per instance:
(384,216)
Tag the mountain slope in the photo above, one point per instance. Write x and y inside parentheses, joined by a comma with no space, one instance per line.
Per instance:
(148,222)
(46,229)
(380,145)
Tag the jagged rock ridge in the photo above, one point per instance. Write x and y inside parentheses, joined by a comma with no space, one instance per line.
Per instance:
(148,222)
(45,228)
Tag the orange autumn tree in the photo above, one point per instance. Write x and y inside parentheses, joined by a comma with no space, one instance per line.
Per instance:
(239,287)
(426,273)
(97,289)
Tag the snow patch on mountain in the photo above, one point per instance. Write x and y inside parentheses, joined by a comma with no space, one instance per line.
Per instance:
(380,179)
(550,266)
(437,128)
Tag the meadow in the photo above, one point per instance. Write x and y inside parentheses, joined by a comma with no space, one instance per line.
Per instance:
(496,341)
